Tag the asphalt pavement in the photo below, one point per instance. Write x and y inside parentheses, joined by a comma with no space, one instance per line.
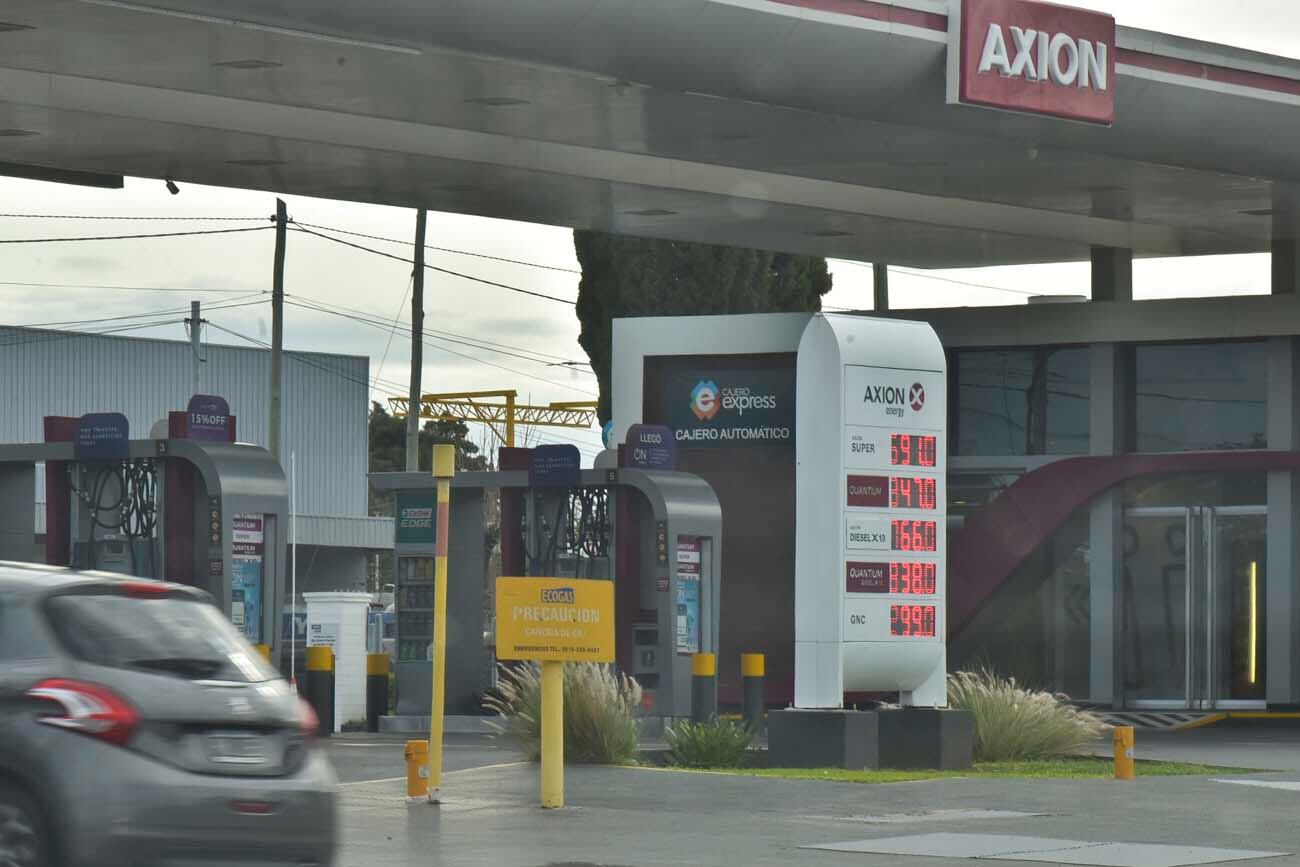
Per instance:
(630,817)
(362,757)
(1272,744)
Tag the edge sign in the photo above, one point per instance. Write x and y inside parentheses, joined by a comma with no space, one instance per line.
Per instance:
(1032,57)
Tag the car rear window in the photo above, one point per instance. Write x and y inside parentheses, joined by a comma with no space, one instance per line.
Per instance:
(174,636)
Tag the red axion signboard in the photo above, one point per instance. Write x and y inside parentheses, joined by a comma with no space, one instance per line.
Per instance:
(1038,58)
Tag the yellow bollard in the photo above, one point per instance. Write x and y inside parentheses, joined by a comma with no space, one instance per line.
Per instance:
(1124,764)
(552,735)
(417,774)
(444,467)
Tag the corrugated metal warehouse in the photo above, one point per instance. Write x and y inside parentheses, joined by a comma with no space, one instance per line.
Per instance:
(325,411)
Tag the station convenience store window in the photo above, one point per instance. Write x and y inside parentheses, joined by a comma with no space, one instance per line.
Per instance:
(1031,401)
(1200,396)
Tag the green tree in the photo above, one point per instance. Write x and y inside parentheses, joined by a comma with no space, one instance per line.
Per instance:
(388,448)
(626,276)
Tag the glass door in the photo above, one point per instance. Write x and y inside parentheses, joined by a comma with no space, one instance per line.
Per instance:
(1192,619)
(1234,610)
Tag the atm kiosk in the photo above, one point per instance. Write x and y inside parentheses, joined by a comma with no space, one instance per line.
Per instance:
(655,534)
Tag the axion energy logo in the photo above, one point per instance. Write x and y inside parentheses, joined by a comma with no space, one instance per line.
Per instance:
(1034,57)
(704,399)
(916,397)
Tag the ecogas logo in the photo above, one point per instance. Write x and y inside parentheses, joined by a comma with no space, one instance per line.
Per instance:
(704,399)
(560,595)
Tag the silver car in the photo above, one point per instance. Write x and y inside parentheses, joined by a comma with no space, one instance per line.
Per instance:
(137,727)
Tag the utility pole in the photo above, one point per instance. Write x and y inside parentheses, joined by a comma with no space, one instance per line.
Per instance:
(880,286)
(417,347)
(277,323)
(196,326)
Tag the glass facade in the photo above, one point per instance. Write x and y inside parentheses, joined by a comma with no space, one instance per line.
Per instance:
(1200,396)
(1191,551)
(1037,628)
(1021,401)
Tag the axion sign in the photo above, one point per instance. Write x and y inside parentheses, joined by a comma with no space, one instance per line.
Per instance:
(1038,58)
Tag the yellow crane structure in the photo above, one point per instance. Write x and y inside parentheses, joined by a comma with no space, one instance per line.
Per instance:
(500,411)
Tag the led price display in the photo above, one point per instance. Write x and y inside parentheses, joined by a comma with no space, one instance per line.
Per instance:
(913,579)
(910,493)
(911,621)
(912,450)
(913,535)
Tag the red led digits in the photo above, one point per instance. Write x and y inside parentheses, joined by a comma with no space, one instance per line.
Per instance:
(912,621)
(909,493)
(913,579)
(911,450)
(913,535)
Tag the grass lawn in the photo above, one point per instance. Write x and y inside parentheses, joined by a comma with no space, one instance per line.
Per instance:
(1080,767)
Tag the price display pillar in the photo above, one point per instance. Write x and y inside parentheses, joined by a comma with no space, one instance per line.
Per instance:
(871,507)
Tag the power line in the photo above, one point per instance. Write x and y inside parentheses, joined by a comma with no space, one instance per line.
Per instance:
(298,357)
(524,354)
(441,249)
(389,344)
(542,295)
(585,447)
(442,348)
(924,276)
(135,237)
(71,335)
(168,312)
(99,287)
(132,218)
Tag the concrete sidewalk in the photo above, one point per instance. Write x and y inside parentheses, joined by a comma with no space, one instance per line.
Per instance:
(653,818)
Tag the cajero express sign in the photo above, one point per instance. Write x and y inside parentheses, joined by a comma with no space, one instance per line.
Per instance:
(724,408)
(1033,57)
(555,620)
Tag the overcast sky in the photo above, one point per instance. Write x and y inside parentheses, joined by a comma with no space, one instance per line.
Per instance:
(219,269)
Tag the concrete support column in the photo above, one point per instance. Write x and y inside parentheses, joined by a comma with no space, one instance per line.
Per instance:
(880,287)
(1282,648)
(1286,267)
(1112,274)
(1108,426)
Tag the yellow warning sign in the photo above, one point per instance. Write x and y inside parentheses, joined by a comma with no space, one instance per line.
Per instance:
(555,620)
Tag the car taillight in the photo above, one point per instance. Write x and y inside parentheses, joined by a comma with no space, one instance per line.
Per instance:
(146,588)
(86,708)
(308,722)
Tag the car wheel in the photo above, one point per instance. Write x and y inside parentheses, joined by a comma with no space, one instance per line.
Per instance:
(23,841)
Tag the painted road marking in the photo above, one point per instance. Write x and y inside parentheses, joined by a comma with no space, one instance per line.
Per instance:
(445,773)
(1288,785)
(1009,847)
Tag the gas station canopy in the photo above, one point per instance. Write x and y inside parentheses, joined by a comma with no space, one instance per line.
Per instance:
(810,126)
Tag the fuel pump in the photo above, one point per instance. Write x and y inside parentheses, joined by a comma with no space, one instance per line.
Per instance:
(655,534)
(187,504)
(116,516)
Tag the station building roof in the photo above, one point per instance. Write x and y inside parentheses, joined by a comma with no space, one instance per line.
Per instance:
(812,126)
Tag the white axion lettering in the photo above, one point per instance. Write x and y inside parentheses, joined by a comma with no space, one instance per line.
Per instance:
(1024,62)
(995,54)
(1063,75)
(1042,56)
(1093,67)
